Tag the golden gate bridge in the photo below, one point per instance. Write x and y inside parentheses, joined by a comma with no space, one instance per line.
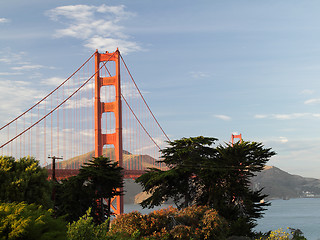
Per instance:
(98,110)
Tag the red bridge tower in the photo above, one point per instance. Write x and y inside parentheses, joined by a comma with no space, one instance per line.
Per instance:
(115,138)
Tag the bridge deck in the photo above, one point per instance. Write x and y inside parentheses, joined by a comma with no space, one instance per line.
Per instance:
(65,173)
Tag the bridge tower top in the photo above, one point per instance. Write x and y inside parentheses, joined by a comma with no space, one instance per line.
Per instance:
(233,136)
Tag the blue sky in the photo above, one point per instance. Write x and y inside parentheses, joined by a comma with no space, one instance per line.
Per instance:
(209,68)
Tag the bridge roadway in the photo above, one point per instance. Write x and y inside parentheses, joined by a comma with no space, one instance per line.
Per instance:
(65,173)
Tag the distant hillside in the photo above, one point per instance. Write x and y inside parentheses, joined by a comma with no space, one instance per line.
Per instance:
(129,160)
(279,184)
(275,182)
(131,188)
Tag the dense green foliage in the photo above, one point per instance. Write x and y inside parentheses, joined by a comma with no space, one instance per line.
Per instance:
(85,229)
(20,221)
(189,223)
(71,199)
(24,180)
(202,180)
(98,179)
(199,174)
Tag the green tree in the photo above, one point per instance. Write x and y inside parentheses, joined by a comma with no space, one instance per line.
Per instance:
(218,177)
(72,198)
(24,180)
(97,180)
(183,158)
(20,221)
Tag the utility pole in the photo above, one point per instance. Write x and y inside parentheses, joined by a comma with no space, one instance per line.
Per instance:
(53,166)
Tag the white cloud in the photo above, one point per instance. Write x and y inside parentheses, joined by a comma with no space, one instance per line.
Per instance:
(198,75)
(312,101)
(53,81)
(4,20)
(10,57)
(288,116)
(17,63)
(28,67)
(9,73)
(14,96)
(307,92)
(284,116)
(97,26)
(260,116)
(129,91)
(283,139)
(98,42)
(79,103)
(223,117)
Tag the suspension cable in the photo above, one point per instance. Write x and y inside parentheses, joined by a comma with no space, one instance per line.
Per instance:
(49,93)
(57,105)
(136,117)
(139,121)
(144,99)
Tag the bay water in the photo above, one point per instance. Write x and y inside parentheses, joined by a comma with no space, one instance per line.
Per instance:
(300,213)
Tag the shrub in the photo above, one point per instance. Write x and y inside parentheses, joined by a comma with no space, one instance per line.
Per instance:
(280,234)
(181,232)
(28,222)
(213,226)
(24,180)
(195,222)
(85,229)
(297,234)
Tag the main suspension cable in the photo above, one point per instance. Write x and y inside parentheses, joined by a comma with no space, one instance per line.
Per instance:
(48,94)
(144,99)
(56,106)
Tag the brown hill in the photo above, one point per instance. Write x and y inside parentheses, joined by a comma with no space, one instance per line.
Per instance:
(130,161)
(280,184)
(131,188)
(275,182)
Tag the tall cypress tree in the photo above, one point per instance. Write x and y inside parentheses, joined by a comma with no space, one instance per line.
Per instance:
(219,177)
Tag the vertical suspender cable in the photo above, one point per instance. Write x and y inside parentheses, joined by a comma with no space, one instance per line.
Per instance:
(37,137)
(45,134)
(64,147)
(30,147)
(58,129)
(24,136)
(51,142)
(144,99)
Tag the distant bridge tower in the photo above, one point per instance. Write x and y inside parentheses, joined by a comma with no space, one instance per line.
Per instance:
(115,138)
(233,136)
